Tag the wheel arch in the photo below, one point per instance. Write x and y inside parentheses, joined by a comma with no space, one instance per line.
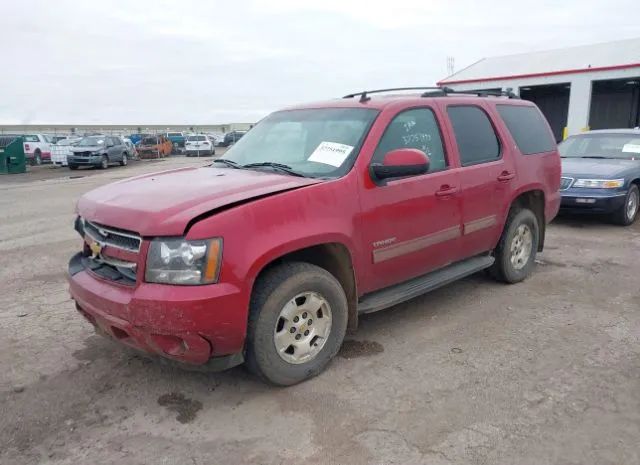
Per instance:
(335,257)
(533,199)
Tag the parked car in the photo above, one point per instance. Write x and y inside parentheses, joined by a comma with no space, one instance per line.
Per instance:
(178,140)
(154,147)
(131,148)
(231,138)
(136,138)
(319,214)
(62,149)
(601,174)
(199,144)
(98,151)
(37,148)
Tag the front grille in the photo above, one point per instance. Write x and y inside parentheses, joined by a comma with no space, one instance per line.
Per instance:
(565,183)
(113,237)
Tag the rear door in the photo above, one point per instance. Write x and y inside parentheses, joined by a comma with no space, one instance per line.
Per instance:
(487,175)
(115,152)
(411,225)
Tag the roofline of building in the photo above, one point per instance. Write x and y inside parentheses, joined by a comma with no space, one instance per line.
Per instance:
(546,74)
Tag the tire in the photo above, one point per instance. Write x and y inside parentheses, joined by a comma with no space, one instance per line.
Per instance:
(124,160)
(73,167)
(510,266)
(37,158)
(627,213)
(273,294)
(104,162)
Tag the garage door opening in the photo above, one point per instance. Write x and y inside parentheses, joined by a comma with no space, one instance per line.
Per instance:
(553,101)
(615,104)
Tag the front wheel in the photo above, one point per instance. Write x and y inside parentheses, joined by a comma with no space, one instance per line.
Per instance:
(104,162)
(124,160)
(297,322)
(628,212)
(73,167)
(516,252)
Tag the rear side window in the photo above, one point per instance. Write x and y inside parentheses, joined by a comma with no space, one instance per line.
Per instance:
(476,138)
(31,139)
(528,128)
(414,129)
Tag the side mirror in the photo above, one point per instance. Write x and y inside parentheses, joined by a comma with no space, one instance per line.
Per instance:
(399,163)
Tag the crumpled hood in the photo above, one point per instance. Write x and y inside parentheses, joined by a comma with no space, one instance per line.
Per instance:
(597,167)
(162,204)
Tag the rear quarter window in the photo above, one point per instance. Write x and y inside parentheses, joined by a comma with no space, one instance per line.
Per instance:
(528,128)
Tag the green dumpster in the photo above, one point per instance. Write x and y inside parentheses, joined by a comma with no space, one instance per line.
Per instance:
(12,159)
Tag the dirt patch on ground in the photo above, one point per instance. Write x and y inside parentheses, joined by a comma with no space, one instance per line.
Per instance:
(184,407)
(355,349)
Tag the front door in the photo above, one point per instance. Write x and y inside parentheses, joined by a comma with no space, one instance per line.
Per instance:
(411,225)
(487,174)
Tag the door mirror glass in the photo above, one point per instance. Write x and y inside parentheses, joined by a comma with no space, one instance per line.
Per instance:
(399,163)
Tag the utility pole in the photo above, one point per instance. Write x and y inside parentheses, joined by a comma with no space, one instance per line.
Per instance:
(451,65)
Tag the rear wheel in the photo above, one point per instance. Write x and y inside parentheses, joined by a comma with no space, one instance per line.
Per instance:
(516,252)
(628,212)
(104,162)
(297,322)
(37,158)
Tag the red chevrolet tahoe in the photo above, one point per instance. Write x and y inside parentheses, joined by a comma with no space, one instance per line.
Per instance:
(321,213)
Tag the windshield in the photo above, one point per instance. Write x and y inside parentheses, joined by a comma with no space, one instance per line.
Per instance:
(150,141)
(196,138)
(91,141)
(625,146)
(320,142)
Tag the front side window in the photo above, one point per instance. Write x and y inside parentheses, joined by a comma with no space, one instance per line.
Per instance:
(319,142)
(475,136)
(414,129)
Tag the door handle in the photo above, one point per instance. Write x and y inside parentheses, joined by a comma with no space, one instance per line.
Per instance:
(506,176)
(446,191)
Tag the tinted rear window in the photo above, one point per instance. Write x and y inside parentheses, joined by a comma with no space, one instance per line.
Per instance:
(196,138)
(477,141)
(528,128)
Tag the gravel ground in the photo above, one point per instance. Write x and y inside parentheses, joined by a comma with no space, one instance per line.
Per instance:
(543,372)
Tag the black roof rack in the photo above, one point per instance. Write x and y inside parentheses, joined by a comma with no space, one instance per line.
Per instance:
(364,94)
(435,92)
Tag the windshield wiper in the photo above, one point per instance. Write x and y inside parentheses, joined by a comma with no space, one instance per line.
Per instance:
(278,166)
(230,163)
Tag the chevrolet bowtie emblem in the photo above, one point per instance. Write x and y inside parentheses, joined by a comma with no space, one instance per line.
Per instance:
(96,248)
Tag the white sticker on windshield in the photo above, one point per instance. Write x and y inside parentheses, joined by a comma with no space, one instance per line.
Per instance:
(632,148)
(331,153)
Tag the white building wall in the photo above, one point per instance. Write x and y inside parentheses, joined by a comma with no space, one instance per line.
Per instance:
(580,94)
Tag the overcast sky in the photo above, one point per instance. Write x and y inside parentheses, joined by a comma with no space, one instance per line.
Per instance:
(198,62)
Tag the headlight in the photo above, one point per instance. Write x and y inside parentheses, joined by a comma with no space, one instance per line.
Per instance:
(178,261)
(599,183)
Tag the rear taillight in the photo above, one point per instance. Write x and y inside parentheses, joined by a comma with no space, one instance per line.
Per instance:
(26,147)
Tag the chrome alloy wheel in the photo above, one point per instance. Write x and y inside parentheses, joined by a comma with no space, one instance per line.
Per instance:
(521,245)
(632,205)
(303,327)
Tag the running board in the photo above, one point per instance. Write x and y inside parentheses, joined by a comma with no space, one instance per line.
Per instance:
(407,290)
